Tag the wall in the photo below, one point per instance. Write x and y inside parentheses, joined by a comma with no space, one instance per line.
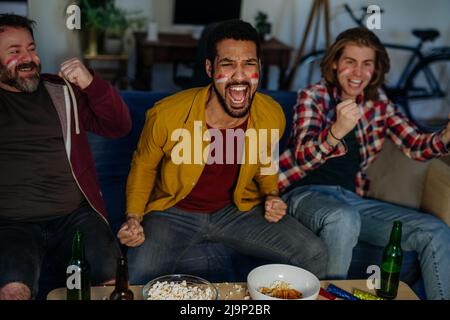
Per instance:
(55,43)
(399,18)
(14,7)
(288,17)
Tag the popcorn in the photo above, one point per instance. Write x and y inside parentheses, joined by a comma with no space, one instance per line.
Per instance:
(178,291)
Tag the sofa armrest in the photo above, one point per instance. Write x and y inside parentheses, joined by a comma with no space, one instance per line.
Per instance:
(436,193)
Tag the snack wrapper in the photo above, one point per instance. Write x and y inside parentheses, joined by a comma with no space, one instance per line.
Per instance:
(326,294)
(338,292)
(362,295)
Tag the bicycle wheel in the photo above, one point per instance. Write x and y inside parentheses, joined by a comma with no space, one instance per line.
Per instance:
(308,70)
(427,93)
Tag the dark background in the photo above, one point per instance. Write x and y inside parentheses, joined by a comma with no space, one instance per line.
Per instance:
(203,12)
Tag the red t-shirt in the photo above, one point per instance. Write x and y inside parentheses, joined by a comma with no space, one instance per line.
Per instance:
(214,189)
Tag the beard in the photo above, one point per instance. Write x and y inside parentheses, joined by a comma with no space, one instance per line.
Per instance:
(13,79)
(228,109)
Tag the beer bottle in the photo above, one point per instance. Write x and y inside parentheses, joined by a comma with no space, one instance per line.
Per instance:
(78,279)
(391,264)
(121,290)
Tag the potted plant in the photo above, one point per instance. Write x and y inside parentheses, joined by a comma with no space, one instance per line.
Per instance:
(262,25)
(115,28)
(106,24)
(93,20)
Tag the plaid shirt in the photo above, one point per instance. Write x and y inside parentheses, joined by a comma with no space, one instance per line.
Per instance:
(314,113)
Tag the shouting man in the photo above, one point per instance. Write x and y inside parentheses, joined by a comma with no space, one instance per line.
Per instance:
(178,197)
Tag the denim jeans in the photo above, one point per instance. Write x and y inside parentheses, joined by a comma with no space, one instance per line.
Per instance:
(24,245)
(341,218)
(173,232)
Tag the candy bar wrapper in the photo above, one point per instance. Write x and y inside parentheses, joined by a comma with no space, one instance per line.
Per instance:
(326,294)
(362,295)
(338,292)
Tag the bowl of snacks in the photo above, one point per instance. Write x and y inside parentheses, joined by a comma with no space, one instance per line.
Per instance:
(282,282)
(179,287)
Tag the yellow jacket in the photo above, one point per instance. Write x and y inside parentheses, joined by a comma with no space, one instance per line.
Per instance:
(156,183)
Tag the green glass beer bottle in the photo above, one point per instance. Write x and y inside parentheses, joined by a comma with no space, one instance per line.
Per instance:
(391,264)
(78,280)
(121,290)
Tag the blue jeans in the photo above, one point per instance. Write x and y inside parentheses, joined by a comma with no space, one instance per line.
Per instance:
(341,218)
(24,245)
(171,233)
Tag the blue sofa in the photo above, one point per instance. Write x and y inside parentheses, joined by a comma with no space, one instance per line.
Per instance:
(218,262)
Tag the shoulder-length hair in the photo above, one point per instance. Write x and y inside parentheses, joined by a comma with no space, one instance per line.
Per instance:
(364,38)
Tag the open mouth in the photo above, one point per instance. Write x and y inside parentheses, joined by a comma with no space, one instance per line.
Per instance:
(238,95)
(26,68)
(355,83)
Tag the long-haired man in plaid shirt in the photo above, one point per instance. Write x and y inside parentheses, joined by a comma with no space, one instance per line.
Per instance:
(339,126)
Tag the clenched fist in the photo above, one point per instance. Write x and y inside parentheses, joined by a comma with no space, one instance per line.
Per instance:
(275,208)
(347,117)
(75,72)
(131,232)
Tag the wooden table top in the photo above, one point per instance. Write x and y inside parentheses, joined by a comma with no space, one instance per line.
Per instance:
(238,291)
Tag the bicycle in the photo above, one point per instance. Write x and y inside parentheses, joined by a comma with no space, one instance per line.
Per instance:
(424,83)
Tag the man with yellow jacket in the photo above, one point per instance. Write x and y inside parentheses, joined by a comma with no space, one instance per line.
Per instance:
(204,165)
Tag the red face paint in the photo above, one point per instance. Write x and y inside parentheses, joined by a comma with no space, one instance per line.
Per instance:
(254,78)
(11,62)
(344,71)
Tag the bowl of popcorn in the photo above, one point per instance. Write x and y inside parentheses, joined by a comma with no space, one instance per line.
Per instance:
(179,287)
(282,282)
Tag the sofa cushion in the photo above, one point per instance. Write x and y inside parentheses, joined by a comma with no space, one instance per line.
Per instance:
(436,194)
(397,179)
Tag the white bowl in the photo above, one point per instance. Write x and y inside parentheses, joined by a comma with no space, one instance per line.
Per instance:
(300,279)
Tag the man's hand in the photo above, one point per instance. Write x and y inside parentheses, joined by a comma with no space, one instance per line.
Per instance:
(131,232)
(347,117)
(75,72)
(445,137)
(275,208)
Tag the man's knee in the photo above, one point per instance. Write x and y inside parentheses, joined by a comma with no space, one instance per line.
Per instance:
(140,270)
(313,257)
(15,291)
(345,220)
(432,232)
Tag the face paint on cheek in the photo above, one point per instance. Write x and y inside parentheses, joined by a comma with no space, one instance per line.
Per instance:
(36,59)
(11,63)
(344,71)
(254,79)
(369,74)
(220,78)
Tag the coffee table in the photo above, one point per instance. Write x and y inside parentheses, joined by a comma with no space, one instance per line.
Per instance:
(238,291)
